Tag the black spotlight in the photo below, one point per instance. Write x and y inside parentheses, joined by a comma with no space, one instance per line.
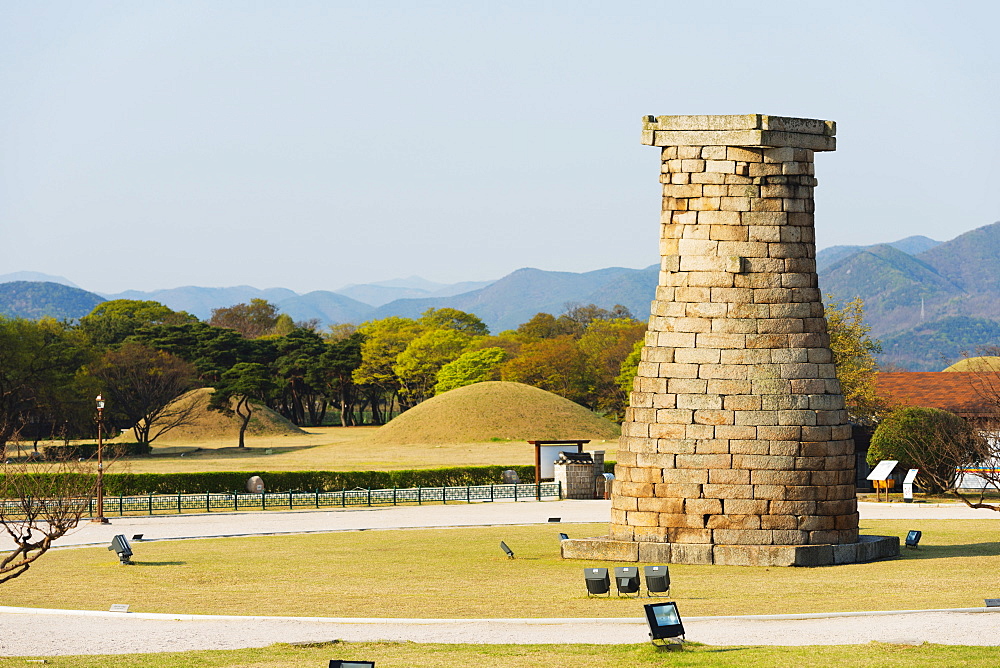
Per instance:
(121,545)
(665,627)
(657,580)
(912,538)
(627,579)
(992,602)
(137,537)
(597,581)
(555,519)
(563,536)
(506,550)
(337,663)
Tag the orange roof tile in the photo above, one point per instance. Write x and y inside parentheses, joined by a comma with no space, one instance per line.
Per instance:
(968,394)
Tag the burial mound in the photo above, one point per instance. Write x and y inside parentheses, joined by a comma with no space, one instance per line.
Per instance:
(495,410)
(212,425)
(985,364)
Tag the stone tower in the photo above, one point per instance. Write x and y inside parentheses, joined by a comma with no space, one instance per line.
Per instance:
(736,446)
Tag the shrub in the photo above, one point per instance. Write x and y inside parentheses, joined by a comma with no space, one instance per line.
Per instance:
(935,441)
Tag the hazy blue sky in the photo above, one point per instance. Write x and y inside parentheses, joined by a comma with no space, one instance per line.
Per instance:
(312,144)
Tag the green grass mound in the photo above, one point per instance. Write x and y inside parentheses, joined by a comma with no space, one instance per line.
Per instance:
(987,364)
(213,425)
(496,410)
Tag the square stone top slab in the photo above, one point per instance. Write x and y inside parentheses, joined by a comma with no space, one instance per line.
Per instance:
(751,130)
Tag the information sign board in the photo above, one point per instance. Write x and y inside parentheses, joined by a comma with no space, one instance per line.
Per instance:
(911,475)
(883,470)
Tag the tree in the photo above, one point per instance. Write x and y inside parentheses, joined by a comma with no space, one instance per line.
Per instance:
(417,367)
(451,318)
(284,325)
(238,388)
(606,343)
(38,362)
(545,326)
(211,349)
(383,341)
(337,364)
(252,320)
(854,356)
(142,386)
(982,461)
(574,321)
(298,359)
(937,442)
(111,322)
(556,365)
(42,503)
(578,317)
(340,331)
(630,368)
(473,366)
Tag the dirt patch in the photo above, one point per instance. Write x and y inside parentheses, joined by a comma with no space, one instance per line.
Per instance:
(495,411)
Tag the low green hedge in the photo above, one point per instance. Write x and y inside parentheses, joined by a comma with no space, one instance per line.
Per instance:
(131,484)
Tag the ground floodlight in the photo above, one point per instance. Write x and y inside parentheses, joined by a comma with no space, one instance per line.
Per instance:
(121,545)
(337,663)
(657,580)
(555,519)
(137,536)
(627,579)
(992,602)
(563,536)
(506,550)
(597,581)
(664,623)
(912,538)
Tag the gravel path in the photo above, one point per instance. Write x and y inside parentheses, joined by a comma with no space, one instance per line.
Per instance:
(29,632)
(54,632)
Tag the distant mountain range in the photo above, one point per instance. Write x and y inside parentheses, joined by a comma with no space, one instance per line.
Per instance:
(929,301)
(929,307)
(37,299)
(501,304)
(909,245)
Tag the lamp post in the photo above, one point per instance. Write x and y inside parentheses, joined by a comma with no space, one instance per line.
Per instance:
(100,463)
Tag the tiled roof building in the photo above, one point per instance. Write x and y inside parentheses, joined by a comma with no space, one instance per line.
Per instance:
(971,395)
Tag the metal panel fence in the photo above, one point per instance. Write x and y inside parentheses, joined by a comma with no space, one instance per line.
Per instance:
(168,504)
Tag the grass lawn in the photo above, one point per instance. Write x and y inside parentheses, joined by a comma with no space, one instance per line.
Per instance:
(411,655)
(327,449)
(462,573)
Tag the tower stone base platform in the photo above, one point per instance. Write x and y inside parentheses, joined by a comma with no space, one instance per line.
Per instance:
(868,548)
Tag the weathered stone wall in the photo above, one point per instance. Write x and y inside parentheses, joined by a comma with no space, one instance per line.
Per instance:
(577,480)
(737,433)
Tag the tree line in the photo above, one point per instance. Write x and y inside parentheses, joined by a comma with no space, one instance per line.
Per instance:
(142,356)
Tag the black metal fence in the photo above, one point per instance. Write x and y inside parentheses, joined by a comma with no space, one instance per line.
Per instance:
(167,504)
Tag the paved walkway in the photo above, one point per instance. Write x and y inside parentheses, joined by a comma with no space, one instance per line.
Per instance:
(61,632)
(211,525)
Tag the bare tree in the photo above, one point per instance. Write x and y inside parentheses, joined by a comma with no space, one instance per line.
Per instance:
(980,465)
(955,456)
(40,503)
(985,381)
(252,320)
(144,386)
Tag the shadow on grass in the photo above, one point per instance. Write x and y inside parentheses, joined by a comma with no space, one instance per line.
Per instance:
(159,563)
(951,551)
